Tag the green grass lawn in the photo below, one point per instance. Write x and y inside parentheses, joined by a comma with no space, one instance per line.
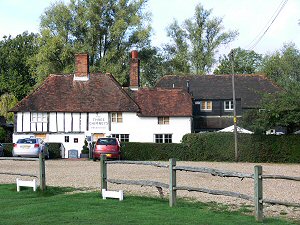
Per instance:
(56,207)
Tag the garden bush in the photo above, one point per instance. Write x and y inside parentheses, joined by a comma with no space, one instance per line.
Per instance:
(220,147)
(8,147)
(54,150)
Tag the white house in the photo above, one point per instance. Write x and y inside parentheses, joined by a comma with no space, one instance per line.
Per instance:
(70,108)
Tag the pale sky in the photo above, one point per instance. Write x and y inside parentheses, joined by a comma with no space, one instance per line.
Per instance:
(248,17)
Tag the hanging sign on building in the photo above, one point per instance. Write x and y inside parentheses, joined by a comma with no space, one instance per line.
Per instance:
(98,122)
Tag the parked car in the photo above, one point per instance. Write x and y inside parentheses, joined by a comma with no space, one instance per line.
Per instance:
(30,147)
(109,146)
(1,150)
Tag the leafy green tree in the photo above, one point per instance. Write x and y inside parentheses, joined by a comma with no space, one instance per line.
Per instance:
(15,76)
(283,66)
(177,54)
(152,66)
(7,101)
(197,41)
(244,62)
(281,110)
(106,29)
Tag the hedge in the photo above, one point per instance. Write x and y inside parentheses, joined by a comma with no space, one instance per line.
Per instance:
(150,151)
(219,147)
(251,148)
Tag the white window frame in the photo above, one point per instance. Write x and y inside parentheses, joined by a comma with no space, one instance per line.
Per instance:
(163,138)
(39,118)
(163,120)
(121,137)
(116,117)
(205,103)
(230,104)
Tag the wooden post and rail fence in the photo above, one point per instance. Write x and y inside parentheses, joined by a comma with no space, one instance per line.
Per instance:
(173,187)
(42,171)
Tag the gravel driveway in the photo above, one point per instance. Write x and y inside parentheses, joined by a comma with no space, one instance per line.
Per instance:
(86,175)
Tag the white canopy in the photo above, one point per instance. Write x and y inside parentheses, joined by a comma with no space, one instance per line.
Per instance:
(239,130)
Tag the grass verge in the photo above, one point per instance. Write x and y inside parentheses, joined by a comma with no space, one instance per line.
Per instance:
(56,207)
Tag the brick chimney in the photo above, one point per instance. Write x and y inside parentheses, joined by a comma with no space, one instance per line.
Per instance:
(82,67)
(134,71)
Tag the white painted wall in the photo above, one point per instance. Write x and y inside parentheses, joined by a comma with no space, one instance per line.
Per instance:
(60,138)
(140,129)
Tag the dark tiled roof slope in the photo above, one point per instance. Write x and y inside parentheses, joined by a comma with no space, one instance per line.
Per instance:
(249,88)
(59,93)
(164,102)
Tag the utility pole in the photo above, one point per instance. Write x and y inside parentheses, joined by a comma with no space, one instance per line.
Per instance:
(234,107)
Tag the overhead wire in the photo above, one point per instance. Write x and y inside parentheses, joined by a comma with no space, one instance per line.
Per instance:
(267,27)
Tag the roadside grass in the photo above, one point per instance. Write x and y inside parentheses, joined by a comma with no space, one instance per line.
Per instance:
(56,207)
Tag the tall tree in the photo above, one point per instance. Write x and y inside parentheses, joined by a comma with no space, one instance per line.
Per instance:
(106,29)
(152,66)
(197,41)
(245,62)
(15,76)
(7,101)
(177,53)
(283,66)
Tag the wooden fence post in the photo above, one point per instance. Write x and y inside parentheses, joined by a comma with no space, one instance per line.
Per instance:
(103,167)
(258,193)
(172,185)
(42,171)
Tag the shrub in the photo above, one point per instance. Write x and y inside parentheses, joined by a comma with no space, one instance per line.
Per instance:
(85,148)
(54,150)
(2,134)
(8,147)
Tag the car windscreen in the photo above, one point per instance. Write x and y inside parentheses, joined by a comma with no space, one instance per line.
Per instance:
(107,141)
(27,141)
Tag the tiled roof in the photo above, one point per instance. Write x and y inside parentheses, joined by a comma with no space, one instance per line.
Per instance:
(163,102)
(59,93)
(249,88)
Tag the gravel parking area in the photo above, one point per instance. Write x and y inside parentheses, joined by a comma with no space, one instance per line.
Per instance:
(85,175)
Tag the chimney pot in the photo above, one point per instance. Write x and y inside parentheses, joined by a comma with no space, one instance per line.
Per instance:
(134,54)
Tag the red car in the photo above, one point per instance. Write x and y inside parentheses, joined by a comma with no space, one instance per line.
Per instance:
(108,146)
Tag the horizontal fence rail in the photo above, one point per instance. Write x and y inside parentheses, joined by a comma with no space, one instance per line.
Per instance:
(148,183)
(19,159)
(139,163)
(215,192)
(214,172)
(280,177)
(19,174)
